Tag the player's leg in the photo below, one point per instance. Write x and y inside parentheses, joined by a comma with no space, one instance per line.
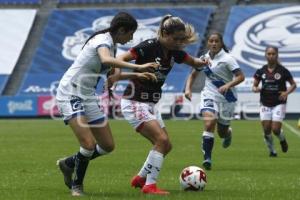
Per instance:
(100,128)
(225,132)
(86,140)
(74,115)
(210,121)
(278,115)
(152,131)
(148,122)
(209,111)
(105,141)
(226,114)
(266,122)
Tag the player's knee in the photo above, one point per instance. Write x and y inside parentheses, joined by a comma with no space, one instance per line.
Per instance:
(109,147)
(267,131)
(87,144)
(164,142)
(276,131)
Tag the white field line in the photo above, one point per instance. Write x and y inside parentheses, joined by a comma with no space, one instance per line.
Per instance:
(291,128)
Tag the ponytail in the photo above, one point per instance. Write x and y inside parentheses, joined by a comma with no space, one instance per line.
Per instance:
(122,19)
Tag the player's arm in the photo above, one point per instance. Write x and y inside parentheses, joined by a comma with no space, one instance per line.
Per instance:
(284,94)
(107,59)
(189,83)
(238,78)
(141,76)
(256,81)
(196,62)
(255,87)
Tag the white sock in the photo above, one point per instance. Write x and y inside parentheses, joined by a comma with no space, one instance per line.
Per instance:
(100,150)
(152,166)
(281,136)
(269,143)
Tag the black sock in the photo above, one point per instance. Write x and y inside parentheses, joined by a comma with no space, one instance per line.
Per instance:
(70,161)
(95,154)
(81,164)
(207,146)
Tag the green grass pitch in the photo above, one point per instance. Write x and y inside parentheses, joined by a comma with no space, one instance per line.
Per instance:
(29,150)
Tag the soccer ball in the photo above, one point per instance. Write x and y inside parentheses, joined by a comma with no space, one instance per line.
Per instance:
(192,178)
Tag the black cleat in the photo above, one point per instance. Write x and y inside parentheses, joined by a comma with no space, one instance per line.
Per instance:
(207,164)
(273,154)
(284,146)
(66,171)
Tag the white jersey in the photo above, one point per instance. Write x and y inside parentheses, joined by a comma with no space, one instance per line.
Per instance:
(220,72)
(82,77)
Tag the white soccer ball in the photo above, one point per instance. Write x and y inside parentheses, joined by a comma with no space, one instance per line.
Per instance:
(192,178)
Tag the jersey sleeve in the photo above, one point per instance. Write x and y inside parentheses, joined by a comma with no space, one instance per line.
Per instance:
(232,64)
(288,75)
(180,56)
(257,74)
(141,49)
(101,40)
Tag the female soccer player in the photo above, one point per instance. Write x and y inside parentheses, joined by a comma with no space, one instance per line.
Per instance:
(140,97)
(78,103)
(273,97)
(218,96)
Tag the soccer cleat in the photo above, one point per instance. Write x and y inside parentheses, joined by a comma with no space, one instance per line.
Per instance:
(138,181)
(273,154)
(66,171)
(152,189)
(284,146)
(77,190)
(207,164)
(227,140)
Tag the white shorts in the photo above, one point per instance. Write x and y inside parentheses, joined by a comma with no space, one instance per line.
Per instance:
(224,111)
(276,113)
(138,112)
(75,106)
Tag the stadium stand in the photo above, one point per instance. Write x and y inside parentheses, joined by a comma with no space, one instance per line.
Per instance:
(12,39)
(20,2)
(67,30)
(43,60)
(134,1)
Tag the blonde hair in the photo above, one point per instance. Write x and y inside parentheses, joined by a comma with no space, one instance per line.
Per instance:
(170,25)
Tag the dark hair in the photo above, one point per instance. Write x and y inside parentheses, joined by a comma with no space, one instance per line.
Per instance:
(224,47)
(272,47)
(122,19)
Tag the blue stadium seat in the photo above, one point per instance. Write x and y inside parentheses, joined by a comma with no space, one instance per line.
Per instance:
(20,2)
(67,30)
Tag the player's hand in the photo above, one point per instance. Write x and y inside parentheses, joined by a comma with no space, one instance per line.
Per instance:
(111,80)
(188,94)
(283,95)
(256,89)
(201,62)
(149,67)
(147,76)
(223,89)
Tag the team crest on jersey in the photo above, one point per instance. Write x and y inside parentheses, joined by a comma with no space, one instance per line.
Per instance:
(263,76)
(147,28)
(277,76)
(279,27)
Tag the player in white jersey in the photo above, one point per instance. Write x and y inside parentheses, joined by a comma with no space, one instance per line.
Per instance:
(218,96)
(78,103)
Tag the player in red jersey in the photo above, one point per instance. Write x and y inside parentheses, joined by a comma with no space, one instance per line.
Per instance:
(273,98)
(141,96)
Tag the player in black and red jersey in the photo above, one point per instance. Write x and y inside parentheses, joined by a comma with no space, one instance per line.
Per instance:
(140,97)
(273,97)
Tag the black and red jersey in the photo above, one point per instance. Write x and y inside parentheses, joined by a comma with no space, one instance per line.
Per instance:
(152,51)
(272,84)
